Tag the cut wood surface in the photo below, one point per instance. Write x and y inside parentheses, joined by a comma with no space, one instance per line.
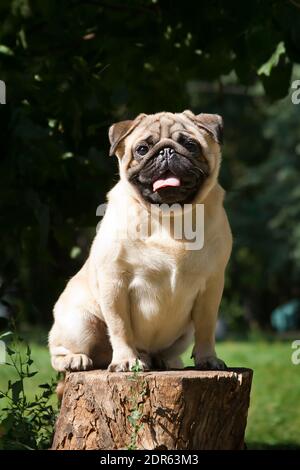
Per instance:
(186,409)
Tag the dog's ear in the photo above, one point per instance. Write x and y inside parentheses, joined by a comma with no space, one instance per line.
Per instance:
(211,123)
(117,132)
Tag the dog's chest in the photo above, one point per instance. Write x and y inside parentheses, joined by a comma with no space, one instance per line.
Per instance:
(162,291)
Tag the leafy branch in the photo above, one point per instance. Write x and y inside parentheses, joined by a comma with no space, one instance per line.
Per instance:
(25,424)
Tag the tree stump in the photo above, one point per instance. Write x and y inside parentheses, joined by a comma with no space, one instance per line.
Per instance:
(186,409)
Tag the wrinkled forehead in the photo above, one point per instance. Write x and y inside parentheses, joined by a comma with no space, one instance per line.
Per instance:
(164,126)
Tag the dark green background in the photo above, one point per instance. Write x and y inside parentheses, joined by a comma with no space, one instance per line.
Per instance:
(73,68)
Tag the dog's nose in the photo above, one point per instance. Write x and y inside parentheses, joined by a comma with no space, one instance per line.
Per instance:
(166,152)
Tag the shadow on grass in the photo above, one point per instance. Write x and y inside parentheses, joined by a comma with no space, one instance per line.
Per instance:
(250,445)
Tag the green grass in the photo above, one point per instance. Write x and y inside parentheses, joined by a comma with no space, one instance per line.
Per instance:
(274,415)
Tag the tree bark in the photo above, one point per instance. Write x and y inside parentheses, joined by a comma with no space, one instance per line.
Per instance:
(185,409)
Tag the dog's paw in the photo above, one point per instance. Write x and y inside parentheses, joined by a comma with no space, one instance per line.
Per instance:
(127,365)
(72,362)
(210,363)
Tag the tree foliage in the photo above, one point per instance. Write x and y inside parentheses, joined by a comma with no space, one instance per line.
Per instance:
(72,68)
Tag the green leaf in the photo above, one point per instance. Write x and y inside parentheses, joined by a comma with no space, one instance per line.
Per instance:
(136,415)
(131,420)
(267,67)
(32,374)
(47,386)
(7,333)
(16,390)
(32,404)
(5,50)
(7,423)
(10,351)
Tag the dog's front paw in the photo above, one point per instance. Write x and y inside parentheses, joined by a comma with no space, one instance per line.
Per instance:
(210,363)
(72,362)
(127,365)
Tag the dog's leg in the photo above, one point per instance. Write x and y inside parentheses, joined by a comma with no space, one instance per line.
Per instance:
(114,304)
(204,315)
(78,339)
(170,357)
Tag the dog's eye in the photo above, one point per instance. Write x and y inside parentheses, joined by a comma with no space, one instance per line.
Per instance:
(191,145)
(142,149)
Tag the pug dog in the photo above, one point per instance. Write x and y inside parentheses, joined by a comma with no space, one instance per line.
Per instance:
(143,300)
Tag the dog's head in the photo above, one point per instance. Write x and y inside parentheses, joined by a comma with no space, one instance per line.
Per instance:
(169,158)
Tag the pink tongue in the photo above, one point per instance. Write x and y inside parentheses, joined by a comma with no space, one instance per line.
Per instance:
(165,183)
